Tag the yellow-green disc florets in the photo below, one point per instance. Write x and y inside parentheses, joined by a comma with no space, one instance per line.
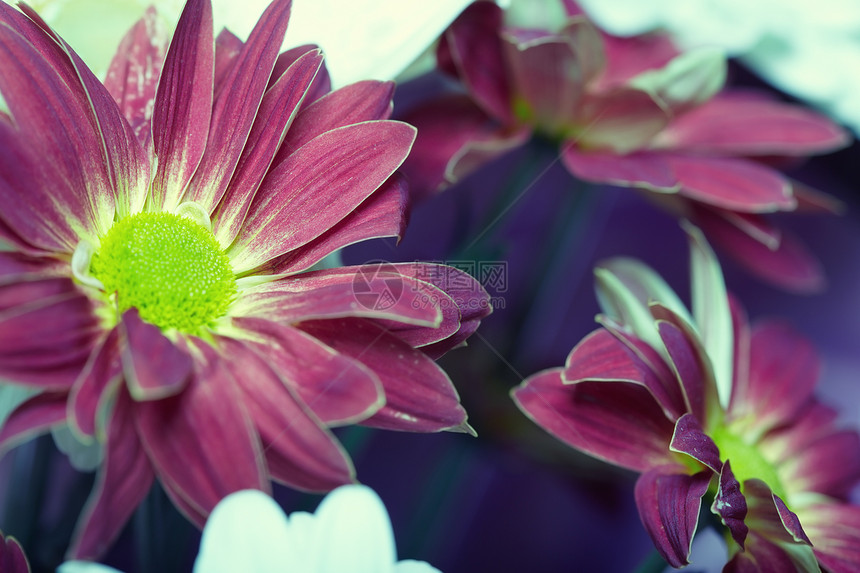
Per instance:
(170,268)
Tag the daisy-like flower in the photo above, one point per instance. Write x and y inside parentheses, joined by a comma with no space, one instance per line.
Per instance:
(350,533)
(705,406)
(631,112)
(159,299)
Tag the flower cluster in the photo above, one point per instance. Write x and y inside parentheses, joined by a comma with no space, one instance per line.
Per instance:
(705,405)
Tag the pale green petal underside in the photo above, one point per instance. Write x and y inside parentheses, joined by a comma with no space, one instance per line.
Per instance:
(711,310)
(84,456)
(647,284)
(620,303)
(691,78)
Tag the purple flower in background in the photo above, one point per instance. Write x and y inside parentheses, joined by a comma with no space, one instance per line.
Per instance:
(162,296)
(702,404)
(631,112)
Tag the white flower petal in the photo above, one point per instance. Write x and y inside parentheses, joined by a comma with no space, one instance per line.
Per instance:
(247,531)
(85,567)
(411,566)
(354,521)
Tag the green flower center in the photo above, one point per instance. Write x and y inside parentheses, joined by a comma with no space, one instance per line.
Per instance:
(170,268)
(746,461)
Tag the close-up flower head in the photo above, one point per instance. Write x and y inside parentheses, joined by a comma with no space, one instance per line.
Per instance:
(158,293)
(706,406)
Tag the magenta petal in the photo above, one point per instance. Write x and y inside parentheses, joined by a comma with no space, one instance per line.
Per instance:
(663,383)
(336,388)
(228,46)
(761,556)
(12,558)
(383,214)
(729,183)
(123,481)
(790,265)
(132,78)
(689,438)
(18,267)
(419,396)
(669,506)
(322,81)
(235,107)
(835,533)
(276,113)
(814,422)
(183,105)
(91,390)
(731,505)
(47,330)
(61,142)
(329,176)
(643,169)
(629,57)
(686,360)
(375,291)
(462,299)
(355,103)
(474,46)
(35,416)
(299,450)
(768,515)
(617,422)
(154,366)
(202,441)
(601,356)
(783,371)
(127,165)
(752,126)
(829,465)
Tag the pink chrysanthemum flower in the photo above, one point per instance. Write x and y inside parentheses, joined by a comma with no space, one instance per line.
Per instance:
(158,295)
(630,112)
(702,405)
